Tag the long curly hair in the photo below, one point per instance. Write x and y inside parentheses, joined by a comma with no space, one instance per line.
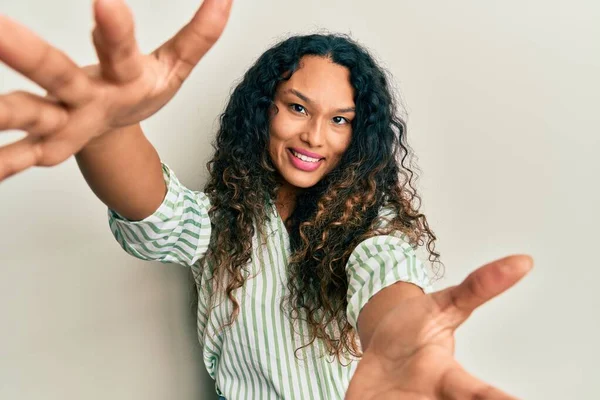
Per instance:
(330,218)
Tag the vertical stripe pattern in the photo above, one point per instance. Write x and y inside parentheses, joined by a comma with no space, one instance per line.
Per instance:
(255,357)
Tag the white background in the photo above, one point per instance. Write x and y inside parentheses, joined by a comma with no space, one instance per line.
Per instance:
(502,101)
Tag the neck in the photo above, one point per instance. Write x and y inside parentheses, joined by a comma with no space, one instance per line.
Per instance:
(286,200)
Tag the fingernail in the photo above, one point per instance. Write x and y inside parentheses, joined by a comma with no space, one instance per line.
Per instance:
(531,262)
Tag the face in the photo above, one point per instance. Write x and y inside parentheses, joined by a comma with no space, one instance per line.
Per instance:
(310,125)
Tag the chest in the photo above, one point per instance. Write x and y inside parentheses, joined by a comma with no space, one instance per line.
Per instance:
(265,276)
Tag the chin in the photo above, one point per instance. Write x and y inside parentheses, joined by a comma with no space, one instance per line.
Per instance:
(302,182)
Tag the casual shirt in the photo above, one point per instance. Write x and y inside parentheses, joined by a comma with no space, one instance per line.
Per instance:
(255,357)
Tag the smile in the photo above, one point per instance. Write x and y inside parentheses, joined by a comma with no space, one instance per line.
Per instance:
(302,162)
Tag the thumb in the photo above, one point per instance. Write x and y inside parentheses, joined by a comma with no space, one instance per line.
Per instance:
(192,42)
(482,285)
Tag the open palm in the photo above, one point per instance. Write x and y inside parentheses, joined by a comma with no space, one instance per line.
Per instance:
(411,352)
(125,88)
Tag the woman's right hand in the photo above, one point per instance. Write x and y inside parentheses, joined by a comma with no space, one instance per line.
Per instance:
(125,88)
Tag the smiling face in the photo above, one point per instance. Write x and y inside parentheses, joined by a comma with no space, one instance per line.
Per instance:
(310,127)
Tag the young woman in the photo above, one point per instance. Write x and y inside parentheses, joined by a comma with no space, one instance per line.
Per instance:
(303,242)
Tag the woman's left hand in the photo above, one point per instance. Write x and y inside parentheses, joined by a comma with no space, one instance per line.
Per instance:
(410,355)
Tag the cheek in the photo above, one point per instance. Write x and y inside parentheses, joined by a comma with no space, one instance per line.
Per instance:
(282,132)
(280,128)
(275,129)
(273,146)
(341,144)
(277,140)
(274,138)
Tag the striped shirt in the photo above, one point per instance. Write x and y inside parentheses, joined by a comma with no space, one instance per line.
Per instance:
(255,357)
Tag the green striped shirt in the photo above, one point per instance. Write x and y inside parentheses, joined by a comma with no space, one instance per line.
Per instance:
(255,357)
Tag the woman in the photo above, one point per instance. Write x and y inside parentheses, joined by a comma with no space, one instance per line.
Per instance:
(302,243)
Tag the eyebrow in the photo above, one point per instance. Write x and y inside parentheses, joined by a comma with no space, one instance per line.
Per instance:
(309,101)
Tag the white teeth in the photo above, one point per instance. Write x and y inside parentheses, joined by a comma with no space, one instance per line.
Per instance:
(304,158)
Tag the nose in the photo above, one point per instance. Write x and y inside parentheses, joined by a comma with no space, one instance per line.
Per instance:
(314,133)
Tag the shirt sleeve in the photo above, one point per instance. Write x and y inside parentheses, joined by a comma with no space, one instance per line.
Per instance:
(177,232)
(377,263)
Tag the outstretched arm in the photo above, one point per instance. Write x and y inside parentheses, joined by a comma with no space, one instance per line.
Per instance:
(94,112)
(410,353)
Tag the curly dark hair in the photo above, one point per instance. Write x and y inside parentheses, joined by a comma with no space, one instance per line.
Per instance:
(330,218)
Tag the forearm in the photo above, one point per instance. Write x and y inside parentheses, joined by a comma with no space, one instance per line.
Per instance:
(380,305)
(123,169)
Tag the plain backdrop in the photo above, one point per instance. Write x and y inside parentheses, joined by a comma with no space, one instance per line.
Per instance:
(502,100)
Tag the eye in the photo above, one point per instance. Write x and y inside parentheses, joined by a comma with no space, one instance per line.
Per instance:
(298,108)
(340,121)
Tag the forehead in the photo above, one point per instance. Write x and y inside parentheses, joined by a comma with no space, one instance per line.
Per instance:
(323,81)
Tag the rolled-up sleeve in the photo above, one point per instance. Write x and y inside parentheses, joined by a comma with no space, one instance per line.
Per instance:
(177,232)
(377,263)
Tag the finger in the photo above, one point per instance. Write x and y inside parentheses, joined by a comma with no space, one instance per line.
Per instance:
(33,114)
(28,54)
(114,39)
(18,156)
(192,42)
(480,286)
(458,384)
(43,150)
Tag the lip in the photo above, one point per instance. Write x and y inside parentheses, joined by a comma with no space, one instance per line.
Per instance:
(303,165)
(307,153)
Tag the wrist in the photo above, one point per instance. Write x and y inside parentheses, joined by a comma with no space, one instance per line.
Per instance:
(112,138)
